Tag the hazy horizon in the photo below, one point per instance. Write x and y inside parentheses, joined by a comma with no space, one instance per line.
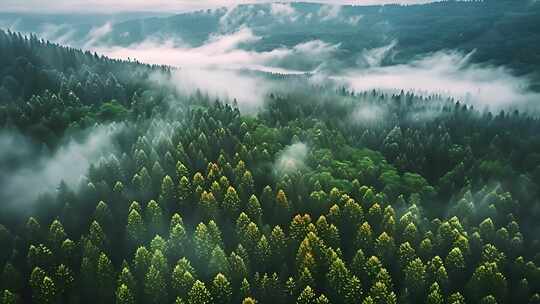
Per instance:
(160,6)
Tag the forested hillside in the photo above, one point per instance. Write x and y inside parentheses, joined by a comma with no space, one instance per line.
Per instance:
(46,88)
(323,196)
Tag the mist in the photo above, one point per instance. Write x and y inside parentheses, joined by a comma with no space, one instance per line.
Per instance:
(31,170)
(291,160)
(223,65)
(448,73)
(218,66)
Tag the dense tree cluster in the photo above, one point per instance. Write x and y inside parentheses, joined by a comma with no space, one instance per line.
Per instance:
(429,202)
(46,89)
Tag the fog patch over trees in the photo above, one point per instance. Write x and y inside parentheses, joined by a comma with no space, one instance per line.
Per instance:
(31,169)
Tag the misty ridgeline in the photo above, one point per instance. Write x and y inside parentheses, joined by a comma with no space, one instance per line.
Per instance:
(123,182)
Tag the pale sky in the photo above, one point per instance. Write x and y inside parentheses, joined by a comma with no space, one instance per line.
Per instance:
(111,6)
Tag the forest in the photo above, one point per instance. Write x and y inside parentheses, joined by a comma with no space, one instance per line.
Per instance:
(323,195)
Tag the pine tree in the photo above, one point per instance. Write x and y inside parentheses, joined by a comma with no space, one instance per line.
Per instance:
(105,278)
(184,191)
(199,294)
(177,241)
(415,275)
(167,193)
(154,218)
(47,291)
(254,210)
(135,228)
(231,203)
(56,234)
(155,285)
(64,279)
(126,278)
(124,295)
(7,297)
(218,262)
(221,289)
(307,296)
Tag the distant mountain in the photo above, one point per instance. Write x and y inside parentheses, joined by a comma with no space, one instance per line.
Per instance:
(500,32)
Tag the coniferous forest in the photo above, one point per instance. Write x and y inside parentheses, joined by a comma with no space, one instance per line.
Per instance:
(423,198)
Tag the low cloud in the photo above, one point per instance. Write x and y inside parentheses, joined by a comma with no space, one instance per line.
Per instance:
(218,67)
(284,11)
(354,20)
(448,73)
(218,51)
(292,159)
(59,33)
(248,90)
(374,57)
(367,114)
(329,12)
(96,34)
(30,170)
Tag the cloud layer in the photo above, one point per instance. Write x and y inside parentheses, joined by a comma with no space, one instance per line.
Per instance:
(448,73)
(217,67)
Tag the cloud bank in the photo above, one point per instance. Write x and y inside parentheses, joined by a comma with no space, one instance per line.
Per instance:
(217,67)
(448,73)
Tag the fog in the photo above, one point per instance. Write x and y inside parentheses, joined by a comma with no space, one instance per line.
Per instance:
(291,159)
(228,51)
(30,170)
(449,73)
(218,66)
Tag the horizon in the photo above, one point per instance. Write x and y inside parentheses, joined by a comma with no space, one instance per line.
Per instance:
(108,7)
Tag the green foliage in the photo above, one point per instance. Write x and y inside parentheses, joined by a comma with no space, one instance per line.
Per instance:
(199,294)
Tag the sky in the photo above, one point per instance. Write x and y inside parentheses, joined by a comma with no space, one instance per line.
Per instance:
(113,6)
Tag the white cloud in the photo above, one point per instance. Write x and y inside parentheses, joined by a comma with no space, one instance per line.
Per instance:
(225,52)
(59,33)
(218,67)
(329,12)
(218,51)
(374,57)
(333,12)
(292,159)
(96,33)
(248,90)
(284,11)
(448,73)
(366,114)
(353,20)
(43,172)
